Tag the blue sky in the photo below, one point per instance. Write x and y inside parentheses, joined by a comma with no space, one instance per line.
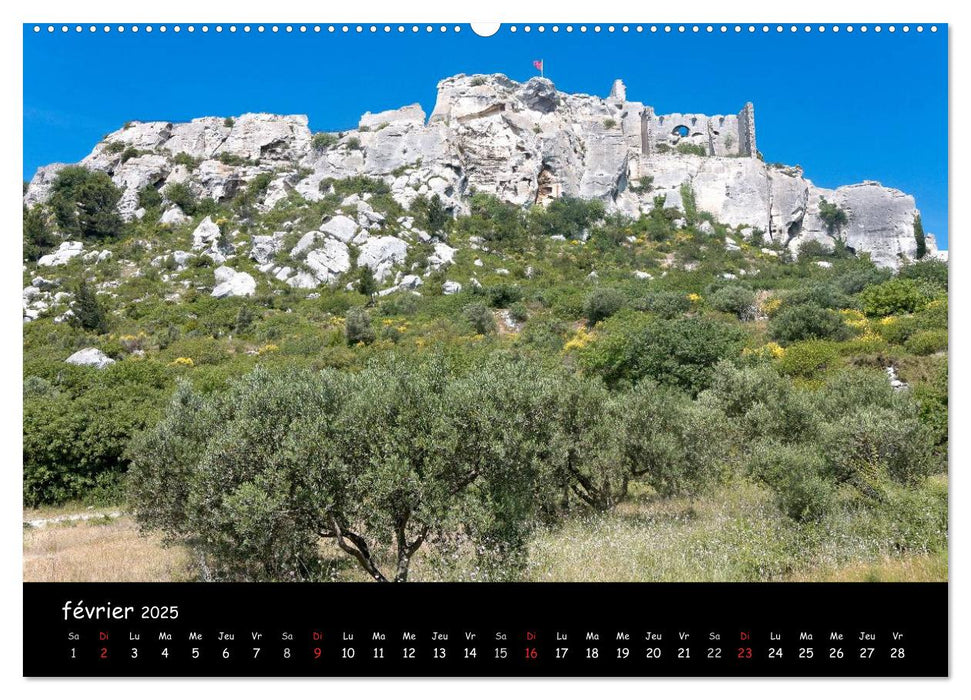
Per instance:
(847,107)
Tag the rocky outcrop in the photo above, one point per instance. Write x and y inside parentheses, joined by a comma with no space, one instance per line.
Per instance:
(526,143)
(230,283)
(67,251)
(90,357)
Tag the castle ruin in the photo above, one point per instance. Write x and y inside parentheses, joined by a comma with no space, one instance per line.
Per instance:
(719,135)
(728,135)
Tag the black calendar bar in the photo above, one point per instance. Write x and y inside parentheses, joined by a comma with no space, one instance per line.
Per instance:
(417,629)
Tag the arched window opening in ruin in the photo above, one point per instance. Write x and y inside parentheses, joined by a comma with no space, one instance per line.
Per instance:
(681,130)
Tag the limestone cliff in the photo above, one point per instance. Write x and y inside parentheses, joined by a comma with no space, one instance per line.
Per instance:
(525,143)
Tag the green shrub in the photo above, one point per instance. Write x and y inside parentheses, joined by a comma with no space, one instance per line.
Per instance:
(502,296)
(519,312)
(665,304)
(602,303)
(795,473)
(184,159)
(85,203)
(227,158)
(854,279)
(357,327)
(832,216)
(733,300)
(807,322)
(89,313)
(75,434)
(689,203)
(896,296)
(181,195)
(493,220)
(39,239)
(691,149)
(678,352)
(809,359)
(931,271)
(927,342)
(931,399)
(874,443)
(919,238)
(570,217)
(322,140)
(762,404)
(826,296)
(430,214)
(149,197)
(643,185)
(812,249)
(129,153)
(849,389)
(480,318)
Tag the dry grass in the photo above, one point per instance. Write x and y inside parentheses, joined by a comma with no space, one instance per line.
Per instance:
(104,549)
(917,567)
(735,534)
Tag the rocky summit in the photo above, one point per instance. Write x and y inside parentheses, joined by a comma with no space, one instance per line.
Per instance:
(525,143)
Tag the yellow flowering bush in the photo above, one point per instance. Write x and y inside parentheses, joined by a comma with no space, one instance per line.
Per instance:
(182,362)
(771,305)
(771,351)
(581,339)
(855,320)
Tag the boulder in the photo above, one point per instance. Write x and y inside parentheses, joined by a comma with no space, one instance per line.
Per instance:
(173,216)
(230,283)
(451,287)
(341,227)
(206,234)
(265,248)
(65,252)
(329,261)
(443,255)
(90,357)
(381,254)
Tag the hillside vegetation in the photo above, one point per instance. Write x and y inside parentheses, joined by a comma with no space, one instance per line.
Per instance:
(631,390)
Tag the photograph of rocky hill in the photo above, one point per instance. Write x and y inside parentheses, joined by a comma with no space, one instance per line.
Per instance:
(531,335)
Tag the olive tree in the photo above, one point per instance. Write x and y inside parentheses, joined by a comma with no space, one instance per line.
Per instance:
(587,456)
(673,444)
(378,462)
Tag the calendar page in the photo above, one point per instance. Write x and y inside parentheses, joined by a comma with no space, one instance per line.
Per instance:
(485,350)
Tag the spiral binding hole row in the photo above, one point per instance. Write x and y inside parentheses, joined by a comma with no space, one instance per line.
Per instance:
(513,29)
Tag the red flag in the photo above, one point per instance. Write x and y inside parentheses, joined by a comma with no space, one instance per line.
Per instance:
(538,65)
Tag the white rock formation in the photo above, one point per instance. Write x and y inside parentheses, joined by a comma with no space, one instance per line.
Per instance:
(381,254)
(329,261)
(230,283)
(526,143)
(173,216)
(343,228)
(63,255)
(206,234)
(91,357)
